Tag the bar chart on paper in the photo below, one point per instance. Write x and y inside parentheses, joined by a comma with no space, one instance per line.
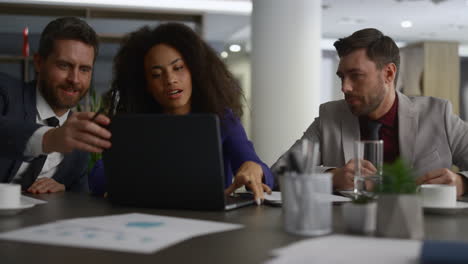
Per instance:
(139,233)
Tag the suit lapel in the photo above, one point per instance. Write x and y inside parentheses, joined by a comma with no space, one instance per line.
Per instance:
(30,112)
(65,164)
(29,102)
(349,132)
(63,167)
(407,127)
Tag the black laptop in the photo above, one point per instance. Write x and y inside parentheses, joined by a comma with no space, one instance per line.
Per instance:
(167,161)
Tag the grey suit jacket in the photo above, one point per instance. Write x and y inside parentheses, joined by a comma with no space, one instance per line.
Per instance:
(430,135)
(17,123)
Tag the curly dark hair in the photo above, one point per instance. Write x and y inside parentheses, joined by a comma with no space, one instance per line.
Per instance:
(214,89)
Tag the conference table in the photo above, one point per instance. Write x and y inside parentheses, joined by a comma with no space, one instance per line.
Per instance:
(261,234)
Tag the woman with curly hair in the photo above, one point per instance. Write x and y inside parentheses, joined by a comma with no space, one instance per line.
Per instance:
(171,70)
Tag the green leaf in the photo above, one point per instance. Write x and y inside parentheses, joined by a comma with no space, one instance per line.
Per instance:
(362,199)
(93,103)
(398,178)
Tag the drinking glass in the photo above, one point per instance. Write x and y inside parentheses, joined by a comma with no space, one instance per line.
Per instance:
(368,157)
(307,208)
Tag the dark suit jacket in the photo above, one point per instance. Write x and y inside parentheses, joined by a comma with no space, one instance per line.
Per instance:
(17,123)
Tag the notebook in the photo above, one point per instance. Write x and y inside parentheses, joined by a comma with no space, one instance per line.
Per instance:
(167,161)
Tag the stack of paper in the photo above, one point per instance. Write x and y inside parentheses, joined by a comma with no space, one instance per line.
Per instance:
(275,198)
(29,200)
(141,233)
(348,250)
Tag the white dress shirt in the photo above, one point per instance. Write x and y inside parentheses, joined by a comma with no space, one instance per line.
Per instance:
(34,145)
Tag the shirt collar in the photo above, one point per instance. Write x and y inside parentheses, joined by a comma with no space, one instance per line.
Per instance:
(389,119)
(44,110)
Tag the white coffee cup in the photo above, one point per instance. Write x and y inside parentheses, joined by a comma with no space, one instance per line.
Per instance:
(10,195)
(438,195)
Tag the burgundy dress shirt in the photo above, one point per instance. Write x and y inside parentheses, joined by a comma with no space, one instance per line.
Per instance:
(388,132)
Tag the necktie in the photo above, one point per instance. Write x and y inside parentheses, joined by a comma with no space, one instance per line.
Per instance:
(373,128)
(35,166)
(372,134)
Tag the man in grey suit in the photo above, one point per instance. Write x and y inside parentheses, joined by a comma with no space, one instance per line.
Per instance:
(42,143)
(422,130)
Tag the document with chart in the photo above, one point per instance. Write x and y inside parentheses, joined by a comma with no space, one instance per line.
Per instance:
(141,233)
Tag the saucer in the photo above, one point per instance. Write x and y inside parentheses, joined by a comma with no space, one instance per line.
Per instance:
(460,206)
(347,193)
(16,209)
(351,194)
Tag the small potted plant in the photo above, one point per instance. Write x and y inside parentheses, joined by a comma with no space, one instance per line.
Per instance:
(360,215)
(399,210)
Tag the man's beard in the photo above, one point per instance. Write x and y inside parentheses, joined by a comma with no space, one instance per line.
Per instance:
(50,94)
(374,101)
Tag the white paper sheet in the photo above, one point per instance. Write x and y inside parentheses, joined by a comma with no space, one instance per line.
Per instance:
(141,233)
(339,249)
(29,200)
(276,197)
(273,197)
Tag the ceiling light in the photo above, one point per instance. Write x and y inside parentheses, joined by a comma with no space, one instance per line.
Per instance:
(224,54)
(406,24)
(235,48)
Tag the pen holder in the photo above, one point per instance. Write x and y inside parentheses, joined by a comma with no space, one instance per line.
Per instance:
(306,209)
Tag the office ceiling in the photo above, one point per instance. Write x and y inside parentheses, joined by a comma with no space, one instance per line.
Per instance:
(431,19)
(228,21)
(442,20)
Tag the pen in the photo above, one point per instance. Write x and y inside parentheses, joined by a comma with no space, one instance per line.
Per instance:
(97,113)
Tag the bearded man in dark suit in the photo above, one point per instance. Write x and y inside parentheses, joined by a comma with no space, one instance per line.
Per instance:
(43,144)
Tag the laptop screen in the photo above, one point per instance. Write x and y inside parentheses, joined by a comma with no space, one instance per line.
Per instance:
(165,161)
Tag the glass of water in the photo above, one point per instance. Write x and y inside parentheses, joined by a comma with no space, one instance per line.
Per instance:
(368,158)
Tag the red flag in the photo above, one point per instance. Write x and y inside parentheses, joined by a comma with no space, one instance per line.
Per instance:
(25,42)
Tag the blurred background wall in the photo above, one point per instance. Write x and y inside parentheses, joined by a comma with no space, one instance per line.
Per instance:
(432,35)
